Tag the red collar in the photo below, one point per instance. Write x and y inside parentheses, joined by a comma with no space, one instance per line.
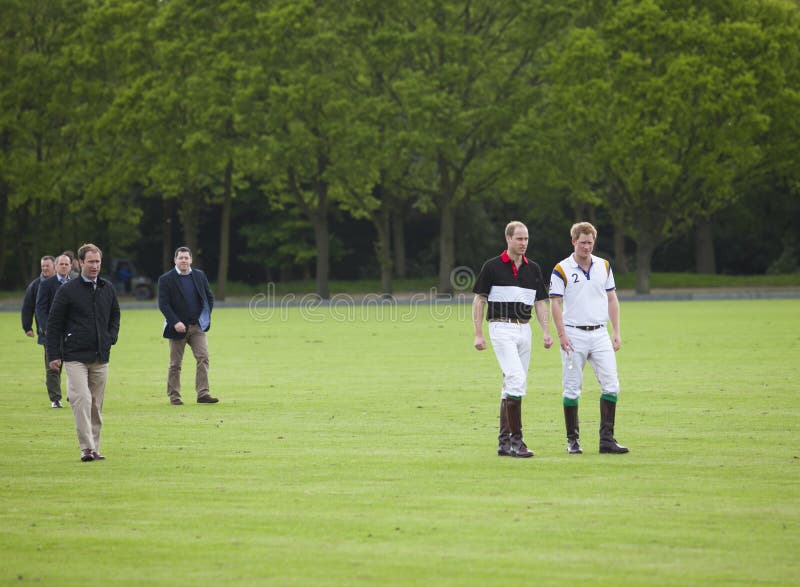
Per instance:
(506,259)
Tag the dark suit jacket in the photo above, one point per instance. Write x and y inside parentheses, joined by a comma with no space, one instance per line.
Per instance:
(29,309)
(173,305)
(44,299)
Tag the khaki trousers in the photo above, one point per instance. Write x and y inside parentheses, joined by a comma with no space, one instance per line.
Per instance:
(86,388)
(196,339)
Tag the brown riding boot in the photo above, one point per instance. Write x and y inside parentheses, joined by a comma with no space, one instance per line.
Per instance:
(608,444)
(571,422)
(504,438)
(514,411)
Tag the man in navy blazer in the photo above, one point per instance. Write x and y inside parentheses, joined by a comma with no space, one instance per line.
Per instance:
(185,299)
(29,314)
(44,300)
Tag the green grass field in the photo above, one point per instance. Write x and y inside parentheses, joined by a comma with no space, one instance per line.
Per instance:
(360,450)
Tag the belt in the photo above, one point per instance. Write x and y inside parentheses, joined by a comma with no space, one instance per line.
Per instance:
(511,320)
(595,327)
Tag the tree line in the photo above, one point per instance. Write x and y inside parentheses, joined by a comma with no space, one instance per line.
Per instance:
(282,138)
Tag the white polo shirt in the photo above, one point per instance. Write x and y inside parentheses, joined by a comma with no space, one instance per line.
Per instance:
(584,292)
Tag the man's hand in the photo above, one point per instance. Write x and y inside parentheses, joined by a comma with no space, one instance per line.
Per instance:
(29,333)
(480,342)
(180,327)
(548,341)
(616,341)
(566,343)
(55,365)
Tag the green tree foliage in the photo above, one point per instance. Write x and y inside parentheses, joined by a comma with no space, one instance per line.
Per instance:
(59,78)
(177,112)
(301,109)
(659,108)
(658,115)
(36,152)
(464,82)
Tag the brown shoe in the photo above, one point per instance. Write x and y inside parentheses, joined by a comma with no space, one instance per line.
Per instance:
(86,455)
(176,402)
(207,399)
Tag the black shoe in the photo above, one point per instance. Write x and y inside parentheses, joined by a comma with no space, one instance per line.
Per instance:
(56,404)
(86,455)
(521,452)
(574,446)
(611,447)
(176,402)
(97,456)
(207,399)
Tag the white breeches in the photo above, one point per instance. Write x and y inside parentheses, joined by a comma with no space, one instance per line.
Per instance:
(594,347)
(512,346)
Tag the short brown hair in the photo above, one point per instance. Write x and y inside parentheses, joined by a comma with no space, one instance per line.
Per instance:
(86,248)
(580,228)
(512,226)
(182,250)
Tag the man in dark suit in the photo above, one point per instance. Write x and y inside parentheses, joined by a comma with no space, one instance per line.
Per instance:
(44,299)
(47,264)
(185,299)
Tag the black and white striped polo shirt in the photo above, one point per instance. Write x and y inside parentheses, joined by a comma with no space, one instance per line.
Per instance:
(511,292)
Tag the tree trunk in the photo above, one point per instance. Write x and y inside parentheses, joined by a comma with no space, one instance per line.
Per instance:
(225,233)
(322,237)
(644,258)
(447,226)
(3,214)
(318,216)
(383,246)
(705,260)
(26,245)
(4,211)
(167,249)
(591,213)
(620,256)
(577,211)
(399,241)
(447,243)
(322,240)
(189,214)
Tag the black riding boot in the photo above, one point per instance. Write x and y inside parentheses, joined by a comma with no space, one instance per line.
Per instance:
(504,438)
(514,411)
(571,421)
(607,414)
